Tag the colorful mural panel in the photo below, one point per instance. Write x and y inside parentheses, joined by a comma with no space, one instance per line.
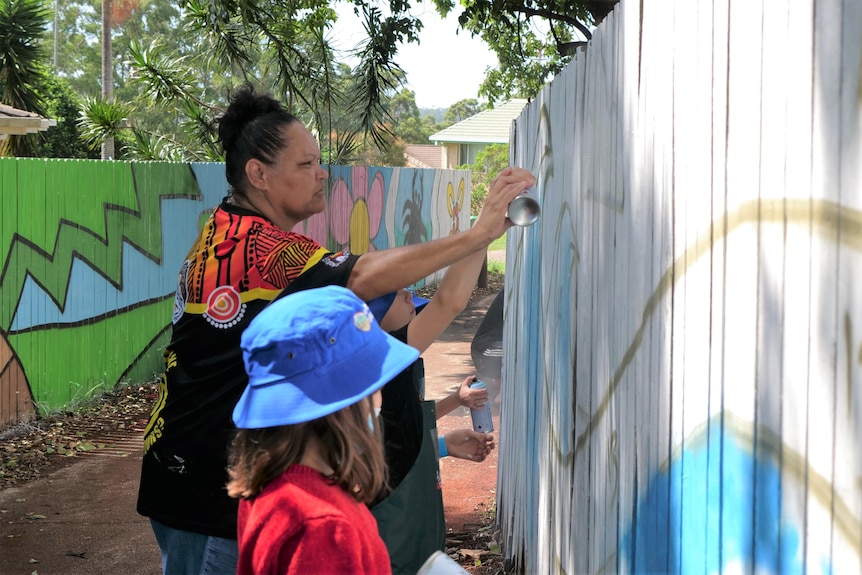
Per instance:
(91,251)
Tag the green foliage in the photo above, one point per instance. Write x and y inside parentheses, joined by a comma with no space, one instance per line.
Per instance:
(22,51)
(407,125)
(533,39)
(498,244)
(461,110)
(101,119)
(174,64)
(497,268)
(489,162)
(177,79)
(63,105)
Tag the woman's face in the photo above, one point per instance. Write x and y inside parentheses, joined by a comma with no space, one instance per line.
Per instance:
(295,179)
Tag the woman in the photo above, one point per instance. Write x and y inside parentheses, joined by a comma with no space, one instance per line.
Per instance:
(244,256)
(308,455)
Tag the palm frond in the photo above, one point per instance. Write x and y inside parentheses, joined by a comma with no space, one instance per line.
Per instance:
(102,119)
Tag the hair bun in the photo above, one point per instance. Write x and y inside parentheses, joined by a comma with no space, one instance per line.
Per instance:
(245,107)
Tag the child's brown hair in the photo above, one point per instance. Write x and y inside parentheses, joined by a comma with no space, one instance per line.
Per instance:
(348,445)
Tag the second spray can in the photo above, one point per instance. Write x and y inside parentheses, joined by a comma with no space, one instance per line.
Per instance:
(482,421)
(524,209)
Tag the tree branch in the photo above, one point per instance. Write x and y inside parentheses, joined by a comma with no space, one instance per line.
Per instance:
(553,16)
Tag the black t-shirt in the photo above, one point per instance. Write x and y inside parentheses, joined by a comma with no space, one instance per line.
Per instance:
(239,264)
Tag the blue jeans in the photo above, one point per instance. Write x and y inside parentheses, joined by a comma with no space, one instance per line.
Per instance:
(188,553)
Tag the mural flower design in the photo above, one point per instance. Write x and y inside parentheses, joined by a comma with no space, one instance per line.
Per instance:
(315,227)
(356,213)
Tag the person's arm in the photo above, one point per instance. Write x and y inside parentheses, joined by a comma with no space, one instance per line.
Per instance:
(449,300)
(464,395)
(384,271)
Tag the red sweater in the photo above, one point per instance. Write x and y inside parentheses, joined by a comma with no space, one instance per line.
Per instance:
(300,523)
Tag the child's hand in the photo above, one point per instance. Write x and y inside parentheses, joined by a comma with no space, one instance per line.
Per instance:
(472,398)
(469,444)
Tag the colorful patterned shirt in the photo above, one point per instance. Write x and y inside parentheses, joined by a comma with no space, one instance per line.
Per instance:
(239,263)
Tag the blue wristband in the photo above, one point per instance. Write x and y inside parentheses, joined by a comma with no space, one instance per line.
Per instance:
(441,446)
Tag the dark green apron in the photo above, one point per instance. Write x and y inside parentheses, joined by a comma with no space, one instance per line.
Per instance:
(410,519)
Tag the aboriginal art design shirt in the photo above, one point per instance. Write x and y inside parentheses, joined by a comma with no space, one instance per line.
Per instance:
(239,263)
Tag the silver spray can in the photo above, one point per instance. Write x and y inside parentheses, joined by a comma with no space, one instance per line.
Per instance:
(524,209)
(482,421)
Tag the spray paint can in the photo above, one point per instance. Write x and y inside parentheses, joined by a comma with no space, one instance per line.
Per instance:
(482,421)
(524,209)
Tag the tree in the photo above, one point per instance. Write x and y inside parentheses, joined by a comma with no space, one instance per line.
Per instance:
(22,53)
(461,110)
(280,46)
(407,125)
(489,162)
(210,45)
(63,140)
(533,39)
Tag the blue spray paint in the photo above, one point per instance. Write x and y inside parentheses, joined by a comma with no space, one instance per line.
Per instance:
(677,498)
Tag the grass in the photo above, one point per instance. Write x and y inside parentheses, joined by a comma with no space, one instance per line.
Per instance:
(498,268)
(498,244)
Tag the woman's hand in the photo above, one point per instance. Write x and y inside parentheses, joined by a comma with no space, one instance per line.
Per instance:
(510,182)
(472,398)
(469,444)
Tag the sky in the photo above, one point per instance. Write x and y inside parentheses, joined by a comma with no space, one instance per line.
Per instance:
(444,68)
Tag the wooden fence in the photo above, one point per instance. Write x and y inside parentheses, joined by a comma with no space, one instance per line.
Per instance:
(683,334)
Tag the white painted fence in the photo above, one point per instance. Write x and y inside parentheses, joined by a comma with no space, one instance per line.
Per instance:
(683,339)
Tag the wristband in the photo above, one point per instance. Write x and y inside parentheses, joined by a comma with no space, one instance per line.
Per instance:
(441,446)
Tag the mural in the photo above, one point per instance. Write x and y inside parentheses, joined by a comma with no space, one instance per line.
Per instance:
(91,252)
(681,384)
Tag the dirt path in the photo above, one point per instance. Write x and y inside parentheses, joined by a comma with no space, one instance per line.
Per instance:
(497,256)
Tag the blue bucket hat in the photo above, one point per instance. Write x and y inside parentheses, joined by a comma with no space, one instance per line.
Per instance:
(313,353)
(380,305)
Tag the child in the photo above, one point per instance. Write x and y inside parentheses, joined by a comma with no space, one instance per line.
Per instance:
(410,518)
(308,454)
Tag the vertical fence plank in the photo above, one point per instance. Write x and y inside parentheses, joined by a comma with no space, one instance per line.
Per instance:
(797,288)
(824,328)
(583,383)
(847,518)
(767,488)
(740,313)
(634,226)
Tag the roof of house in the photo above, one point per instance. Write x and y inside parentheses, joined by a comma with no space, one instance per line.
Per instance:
(424,156)
(15,121)
(488,127)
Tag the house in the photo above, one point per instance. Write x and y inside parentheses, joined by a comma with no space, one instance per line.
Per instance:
(17,122)
(463,141)
(423,156)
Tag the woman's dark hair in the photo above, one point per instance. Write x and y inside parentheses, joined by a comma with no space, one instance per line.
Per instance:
(251,128)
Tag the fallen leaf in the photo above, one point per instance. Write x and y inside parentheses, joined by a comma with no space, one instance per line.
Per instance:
(35,516)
